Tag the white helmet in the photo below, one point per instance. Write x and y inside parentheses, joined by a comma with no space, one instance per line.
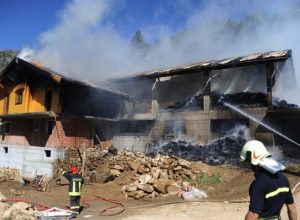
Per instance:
(254,151)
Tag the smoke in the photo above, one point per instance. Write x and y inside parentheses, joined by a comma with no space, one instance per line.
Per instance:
(240,131)
(88,45)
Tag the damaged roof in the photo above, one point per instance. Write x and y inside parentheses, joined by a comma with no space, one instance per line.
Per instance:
(214,64)
(54,76)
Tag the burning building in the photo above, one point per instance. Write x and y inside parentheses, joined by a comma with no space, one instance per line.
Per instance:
(40,108)
(193,101)
(43,112)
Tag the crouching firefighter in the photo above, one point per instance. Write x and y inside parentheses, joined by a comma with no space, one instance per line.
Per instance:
(75,183)
(271,189)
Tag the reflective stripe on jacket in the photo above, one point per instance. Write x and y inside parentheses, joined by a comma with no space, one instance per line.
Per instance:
(75,183)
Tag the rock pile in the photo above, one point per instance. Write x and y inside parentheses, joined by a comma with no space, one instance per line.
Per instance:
(142,176)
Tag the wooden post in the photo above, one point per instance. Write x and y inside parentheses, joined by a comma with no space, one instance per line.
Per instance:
(206,90)
(269,74)
(83,160)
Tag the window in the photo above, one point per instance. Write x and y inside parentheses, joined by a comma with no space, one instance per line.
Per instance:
(36,125)
(48,153)
(6,127)
(49,127)
(5,149)
(19,96)
(133,127)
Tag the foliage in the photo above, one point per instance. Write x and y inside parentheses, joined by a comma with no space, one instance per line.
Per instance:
(6,56)
(139,44)
(204,180)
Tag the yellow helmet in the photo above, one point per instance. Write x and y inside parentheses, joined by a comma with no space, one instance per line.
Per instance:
(254,151)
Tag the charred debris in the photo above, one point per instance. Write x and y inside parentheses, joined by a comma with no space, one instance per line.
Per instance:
(240,99)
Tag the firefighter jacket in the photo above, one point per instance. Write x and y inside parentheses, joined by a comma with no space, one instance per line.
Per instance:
(75,182)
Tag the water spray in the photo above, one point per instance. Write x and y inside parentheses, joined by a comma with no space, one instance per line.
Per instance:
(257,121)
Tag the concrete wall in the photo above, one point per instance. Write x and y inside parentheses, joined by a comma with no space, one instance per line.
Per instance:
(30,160)
(197,127)
(132,143)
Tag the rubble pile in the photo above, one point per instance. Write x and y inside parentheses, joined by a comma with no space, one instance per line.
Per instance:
(223,151)
(241,99)
(9,174)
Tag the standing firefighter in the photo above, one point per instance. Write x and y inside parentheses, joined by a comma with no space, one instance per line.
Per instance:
(75,183)
(270,190)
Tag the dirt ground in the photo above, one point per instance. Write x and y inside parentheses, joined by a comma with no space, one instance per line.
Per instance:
(226,200)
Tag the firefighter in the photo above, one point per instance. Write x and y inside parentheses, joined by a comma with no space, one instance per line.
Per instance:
(270,190)
(75,184)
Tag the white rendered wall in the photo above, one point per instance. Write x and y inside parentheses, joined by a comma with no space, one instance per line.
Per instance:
(30,160)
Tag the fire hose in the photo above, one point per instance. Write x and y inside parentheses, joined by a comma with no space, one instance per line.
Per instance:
(108,210)
(105,212)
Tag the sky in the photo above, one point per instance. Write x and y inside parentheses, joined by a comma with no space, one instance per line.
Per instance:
(25,20)
(90,40)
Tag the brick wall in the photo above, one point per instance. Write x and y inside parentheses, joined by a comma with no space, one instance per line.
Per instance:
(65,133)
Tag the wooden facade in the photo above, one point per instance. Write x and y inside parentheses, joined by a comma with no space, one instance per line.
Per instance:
(41,108)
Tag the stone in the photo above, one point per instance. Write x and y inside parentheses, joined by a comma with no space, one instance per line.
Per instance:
(2,197)
(173,189)
(131,187)
(188,173)
(146,188)
(168,161)
(118,167)
(143,179)
(151,195)
(161,185)
(141,169)
(104,177)
(155,172)
(184,163)
(177,168)
(20,210)
(171,174)
(163,175)
(139,194)
(131,194)
(115,172)
(3,207)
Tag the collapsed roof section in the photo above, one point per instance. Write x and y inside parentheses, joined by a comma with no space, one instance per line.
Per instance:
(256,58)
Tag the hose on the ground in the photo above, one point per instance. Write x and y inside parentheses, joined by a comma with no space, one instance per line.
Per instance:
(108,211)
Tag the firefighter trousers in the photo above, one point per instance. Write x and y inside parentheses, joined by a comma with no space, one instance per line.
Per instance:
(75,203)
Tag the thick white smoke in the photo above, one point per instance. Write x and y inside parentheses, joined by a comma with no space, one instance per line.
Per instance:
(87,45)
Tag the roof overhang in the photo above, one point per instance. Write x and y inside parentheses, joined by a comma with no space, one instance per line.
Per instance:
(56,77)
(252,59)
